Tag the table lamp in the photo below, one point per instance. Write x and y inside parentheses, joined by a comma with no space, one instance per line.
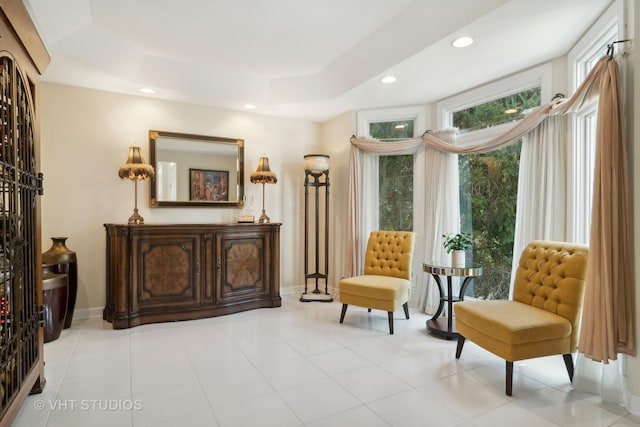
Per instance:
(263,175)
(136,170)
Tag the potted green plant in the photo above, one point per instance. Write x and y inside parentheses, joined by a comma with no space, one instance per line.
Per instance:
(456,244)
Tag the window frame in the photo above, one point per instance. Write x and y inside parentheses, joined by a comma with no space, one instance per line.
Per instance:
(416,113)
(590,47)
(419,115)
(365,117)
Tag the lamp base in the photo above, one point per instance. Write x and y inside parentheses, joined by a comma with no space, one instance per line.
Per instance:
(264,219)
(322,297)
(136,218)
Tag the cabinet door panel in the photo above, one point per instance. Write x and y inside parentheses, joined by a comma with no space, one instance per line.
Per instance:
(243,270)
(167,271)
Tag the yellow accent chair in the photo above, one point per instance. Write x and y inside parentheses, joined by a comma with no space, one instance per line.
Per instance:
(542,319)
(386,283)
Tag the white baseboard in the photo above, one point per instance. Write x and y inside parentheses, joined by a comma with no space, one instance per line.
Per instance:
(633,403)
(87,313)
(93,312)
(291,290)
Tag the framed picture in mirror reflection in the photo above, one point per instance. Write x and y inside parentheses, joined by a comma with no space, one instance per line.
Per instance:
(208,185)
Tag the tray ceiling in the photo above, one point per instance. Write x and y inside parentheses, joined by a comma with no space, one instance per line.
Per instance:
(301,58)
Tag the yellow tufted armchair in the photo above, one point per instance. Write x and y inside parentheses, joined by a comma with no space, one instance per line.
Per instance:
(543,318)
(386,283)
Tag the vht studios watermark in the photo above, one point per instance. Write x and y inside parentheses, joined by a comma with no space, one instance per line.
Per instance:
(88,405)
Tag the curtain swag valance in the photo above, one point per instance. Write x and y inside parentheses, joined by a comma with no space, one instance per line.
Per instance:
(608,313)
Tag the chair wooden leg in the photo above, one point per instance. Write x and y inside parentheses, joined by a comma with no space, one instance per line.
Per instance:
(344,311)
(461,341)
(568,362)
(406,309)
(390,314)
(509,384)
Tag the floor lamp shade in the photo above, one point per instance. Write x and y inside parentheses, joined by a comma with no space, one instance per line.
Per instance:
(316,162)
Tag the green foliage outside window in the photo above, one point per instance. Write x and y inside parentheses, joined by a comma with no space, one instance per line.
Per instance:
(396,193)
(396,178)
(392,131)
(503,110)
(488,194)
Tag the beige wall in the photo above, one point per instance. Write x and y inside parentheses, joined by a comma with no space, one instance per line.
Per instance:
(84,139)
(334,136)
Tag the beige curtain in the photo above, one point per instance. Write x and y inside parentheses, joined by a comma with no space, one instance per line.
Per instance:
(608,311)
(608,317)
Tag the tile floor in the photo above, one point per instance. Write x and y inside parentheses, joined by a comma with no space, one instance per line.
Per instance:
(296,366)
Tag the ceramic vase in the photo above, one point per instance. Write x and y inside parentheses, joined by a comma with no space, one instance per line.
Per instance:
(64,261)
(55,288)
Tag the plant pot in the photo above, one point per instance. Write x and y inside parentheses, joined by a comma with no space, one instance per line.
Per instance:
(458,258)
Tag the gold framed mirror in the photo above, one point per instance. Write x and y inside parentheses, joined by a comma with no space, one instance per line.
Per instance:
(195,170)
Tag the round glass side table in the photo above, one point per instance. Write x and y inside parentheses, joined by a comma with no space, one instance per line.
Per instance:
(440,327)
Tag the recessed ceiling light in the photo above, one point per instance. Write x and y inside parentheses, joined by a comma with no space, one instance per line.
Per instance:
(400,126)
(249,107)
(147,90)
(463,41)
(388,79)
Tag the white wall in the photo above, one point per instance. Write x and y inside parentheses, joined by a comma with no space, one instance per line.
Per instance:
(85,135)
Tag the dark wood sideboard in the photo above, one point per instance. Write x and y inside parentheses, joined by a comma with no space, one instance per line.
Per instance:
(168,272)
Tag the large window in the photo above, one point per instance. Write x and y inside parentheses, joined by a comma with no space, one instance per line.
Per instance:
(489,182)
